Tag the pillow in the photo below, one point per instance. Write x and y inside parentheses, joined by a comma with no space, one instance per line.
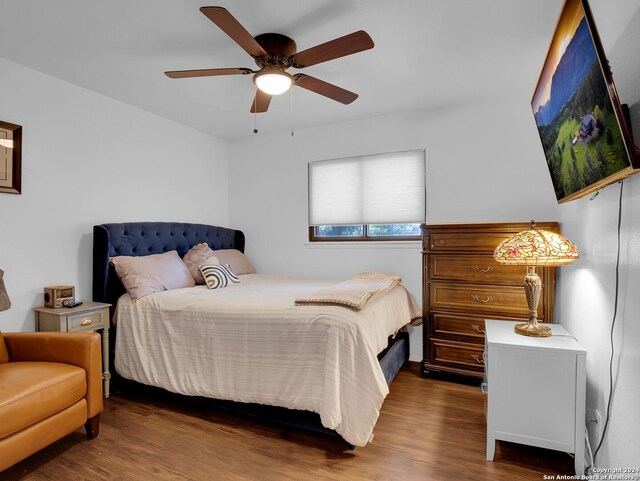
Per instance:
(218,277)
(148,274)
(4,354)
(193,259)
(212,261)
(236,259)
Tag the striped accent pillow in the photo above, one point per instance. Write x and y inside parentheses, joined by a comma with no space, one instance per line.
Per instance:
(219,276)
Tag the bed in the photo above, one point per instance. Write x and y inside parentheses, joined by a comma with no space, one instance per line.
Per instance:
(250,346)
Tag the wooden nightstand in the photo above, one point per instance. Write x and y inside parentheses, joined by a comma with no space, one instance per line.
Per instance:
(90,316)
(536,389)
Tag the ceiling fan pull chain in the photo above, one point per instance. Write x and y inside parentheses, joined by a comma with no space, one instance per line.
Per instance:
(255,114)
(291,109)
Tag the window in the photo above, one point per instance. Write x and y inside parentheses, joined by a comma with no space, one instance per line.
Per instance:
(374,197)
(365,232)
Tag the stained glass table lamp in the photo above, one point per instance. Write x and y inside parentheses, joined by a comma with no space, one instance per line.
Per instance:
(531,248)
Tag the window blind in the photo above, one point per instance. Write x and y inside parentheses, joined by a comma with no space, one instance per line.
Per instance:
(373,189)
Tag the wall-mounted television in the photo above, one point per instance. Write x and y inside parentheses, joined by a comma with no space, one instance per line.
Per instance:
(585,132)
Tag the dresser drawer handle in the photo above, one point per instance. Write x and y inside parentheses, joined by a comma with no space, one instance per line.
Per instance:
(481,300)
(476,328)
(477,359)
(86,322)
(482,269)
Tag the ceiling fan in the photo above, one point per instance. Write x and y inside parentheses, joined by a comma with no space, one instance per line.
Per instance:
(274,53)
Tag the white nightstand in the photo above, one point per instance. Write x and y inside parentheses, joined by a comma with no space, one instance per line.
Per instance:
(536,390)
(90,316)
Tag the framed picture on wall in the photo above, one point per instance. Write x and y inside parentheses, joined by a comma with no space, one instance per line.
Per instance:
(10,158)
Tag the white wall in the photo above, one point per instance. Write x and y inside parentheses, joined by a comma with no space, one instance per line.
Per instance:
(483,165)
(491,174)
(586,289)
(87,160)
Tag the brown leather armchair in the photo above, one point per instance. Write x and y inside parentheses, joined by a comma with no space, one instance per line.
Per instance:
(50,385)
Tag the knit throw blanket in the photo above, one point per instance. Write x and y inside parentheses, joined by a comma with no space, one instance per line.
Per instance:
(355,292)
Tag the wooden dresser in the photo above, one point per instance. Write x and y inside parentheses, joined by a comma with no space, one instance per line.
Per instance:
(462,285)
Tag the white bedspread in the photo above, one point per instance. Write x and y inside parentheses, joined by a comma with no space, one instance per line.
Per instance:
(248,342)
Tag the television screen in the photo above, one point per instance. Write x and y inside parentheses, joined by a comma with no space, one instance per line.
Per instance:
(579,125)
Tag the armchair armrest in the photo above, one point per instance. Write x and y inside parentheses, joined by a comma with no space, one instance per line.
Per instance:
(82,349)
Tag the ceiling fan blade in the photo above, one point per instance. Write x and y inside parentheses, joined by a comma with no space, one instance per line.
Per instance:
(229,25)
(207,72)
(324,88)
(349,44)
(260,102)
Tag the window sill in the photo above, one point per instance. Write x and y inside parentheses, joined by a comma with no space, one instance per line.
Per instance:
(414,244)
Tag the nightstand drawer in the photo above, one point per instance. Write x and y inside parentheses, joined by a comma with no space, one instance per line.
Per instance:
(458,355)
(86,322)
(474,268)
(481,298)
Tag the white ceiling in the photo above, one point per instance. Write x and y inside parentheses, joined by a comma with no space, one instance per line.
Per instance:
(428,53)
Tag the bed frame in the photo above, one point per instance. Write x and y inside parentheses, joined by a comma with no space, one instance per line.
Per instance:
(146,238)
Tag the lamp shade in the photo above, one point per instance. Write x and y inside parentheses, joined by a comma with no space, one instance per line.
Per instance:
(536,247)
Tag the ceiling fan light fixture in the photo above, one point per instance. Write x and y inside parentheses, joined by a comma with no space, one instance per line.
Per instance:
(274,53)
(273,81)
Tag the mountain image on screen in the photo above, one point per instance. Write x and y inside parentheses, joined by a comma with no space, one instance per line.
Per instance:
(574,65)
(578,127)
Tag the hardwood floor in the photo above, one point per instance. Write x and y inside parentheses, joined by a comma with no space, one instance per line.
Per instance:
(428,430)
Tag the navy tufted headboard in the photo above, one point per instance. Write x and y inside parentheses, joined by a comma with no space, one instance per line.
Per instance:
(145,238)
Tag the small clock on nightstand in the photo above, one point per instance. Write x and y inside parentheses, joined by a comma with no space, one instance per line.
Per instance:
(87,317)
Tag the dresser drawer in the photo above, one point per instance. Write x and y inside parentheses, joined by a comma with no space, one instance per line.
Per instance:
(86,321)
(484,243)
(457,355)
(462,325)
(474,268)
(481,298)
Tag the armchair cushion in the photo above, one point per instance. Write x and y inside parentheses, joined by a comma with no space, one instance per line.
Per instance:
(33,391)
(63,347)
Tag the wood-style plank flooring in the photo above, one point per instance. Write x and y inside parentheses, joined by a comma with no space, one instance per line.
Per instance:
(428,430)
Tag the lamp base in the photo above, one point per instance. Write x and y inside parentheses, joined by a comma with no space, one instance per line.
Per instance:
(532,329)
(532,289)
